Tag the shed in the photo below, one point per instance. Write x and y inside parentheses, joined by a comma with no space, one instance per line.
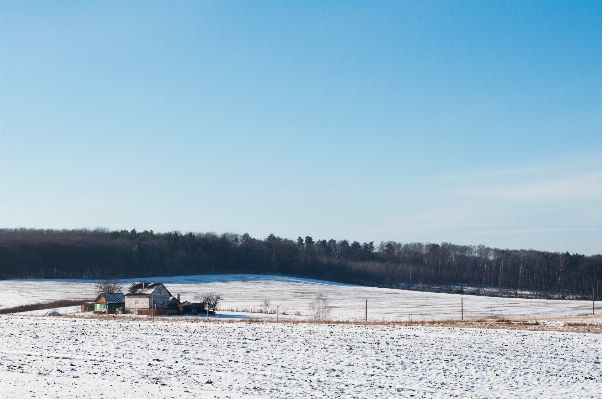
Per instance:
(109,302)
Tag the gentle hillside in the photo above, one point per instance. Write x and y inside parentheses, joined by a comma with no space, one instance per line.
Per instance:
(245,296)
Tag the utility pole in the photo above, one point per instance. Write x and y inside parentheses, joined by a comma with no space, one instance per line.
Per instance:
(593,300)
(277,312)
(366,316)
(462,280)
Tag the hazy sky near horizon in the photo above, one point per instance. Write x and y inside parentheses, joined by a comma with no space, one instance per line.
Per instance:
(463,122)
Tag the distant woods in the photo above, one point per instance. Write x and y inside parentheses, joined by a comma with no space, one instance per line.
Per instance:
(103,254)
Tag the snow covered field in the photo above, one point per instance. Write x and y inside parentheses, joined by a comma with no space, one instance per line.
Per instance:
(75,357)
(293,296)
(183,357)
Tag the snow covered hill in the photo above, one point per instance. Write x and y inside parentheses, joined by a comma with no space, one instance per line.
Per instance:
(244,293)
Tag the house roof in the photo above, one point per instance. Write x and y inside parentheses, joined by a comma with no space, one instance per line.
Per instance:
(111,298)
(149,288)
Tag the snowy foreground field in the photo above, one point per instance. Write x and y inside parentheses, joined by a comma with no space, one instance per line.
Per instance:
(179,358)
(244,294)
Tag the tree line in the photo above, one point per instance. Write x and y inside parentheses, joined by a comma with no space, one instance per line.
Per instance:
(102,254)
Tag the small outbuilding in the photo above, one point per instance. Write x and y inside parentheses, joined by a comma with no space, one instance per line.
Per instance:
(109,303)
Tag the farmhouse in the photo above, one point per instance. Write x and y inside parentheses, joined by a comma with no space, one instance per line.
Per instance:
(109,303)
(142,297)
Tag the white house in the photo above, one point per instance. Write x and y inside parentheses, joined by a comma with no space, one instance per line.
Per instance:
(144,296)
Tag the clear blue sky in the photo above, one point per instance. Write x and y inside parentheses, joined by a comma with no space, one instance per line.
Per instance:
(464,122)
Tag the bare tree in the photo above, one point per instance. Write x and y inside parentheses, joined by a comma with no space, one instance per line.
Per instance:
(109,286)
(211,300)
(320,307)
(266,305)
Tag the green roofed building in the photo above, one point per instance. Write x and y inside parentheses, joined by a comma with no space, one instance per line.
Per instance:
(109,303)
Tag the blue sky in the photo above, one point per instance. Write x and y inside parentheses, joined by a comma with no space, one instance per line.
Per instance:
(464,122)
